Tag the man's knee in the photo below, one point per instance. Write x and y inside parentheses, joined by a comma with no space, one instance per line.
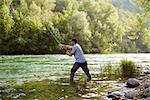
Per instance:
(72,70)
(85,69)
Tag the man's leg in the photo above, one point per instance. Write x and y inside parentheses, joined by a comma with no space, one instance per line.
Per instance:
(86,70)
(73,70)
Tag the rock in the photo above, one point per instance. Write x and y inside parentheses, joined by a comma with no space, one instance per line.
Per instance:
(147,84)
(114,96)
(61,98)
(132,94)
(90,95)
(147,72)
(147,92)
(8,90)
(33,90)
(132,83)
(66,96)
(13,96)
(148,98)
(142,74)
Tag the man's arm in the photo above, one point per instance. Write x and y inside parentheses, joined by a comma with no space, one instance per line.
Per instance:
(65,46)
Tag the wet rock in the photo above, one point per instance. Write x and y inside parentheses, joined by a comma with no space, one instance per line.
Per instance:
(132,94)
(35,98)
(90,95)
(148,98)
(33,90)
(132,83)
(15,96)
(147,84)
(66,96)
(114,96)
(147,92)
(147,72)
(62,98)
(20,90)
(94,89)
(19,95)
(8,90)
(142,74)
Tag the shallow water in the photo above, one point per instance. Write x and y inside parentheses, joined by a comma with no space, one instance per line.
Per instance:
(19,68)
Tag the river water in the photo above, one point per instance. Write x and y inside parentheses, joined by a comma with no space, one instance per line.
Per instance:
(20,68)
(32,71)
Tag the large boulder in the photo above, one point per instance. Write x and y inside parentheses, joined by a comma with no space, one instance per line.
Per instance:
(132,83)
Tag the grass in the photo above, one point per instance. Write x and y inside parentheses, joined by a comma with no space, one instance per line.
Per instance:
(128,68)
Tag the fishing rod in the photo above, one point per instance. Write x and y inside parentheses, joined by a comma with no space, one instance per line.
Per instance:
(51,32)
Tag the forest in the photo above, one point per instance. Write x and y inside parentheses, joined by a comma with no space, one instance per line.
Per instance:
(101,26)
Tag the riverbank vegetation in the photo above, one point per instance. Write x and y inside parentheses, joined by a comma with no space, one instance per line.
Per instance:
(101,26)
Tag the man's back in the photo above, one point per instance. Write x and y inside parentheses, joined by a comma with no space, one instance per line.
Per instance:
(78,53)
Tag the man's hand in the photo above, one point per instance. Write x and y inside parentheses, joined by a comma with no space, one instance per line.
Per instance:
(62,45)
(68,53)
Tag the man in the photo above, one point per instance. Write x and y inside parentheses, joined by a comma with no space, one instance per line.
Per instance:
(80,59)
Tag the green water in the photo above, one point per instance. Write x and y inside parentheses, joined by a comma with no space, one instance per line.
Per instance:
(46,71)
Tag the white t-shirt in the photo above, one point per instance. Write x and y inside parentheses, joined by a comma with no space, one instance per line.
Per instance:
(78,53)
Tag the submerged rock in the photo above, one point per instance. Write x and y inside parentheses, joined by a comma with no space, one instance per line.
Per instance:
(132,82)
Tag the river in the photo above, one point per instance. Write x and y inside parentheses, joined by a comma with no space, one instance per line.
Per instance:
(19,68)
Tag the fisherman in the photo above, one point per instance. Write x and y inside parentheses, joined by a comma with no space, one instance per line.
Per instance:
(80,59)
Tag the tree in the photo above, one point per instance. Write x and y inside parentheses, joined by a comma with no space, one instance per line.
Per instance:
(6,24)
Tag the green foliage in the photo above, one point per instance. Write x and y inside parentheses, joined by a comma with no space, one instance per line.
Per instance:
(99,25)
